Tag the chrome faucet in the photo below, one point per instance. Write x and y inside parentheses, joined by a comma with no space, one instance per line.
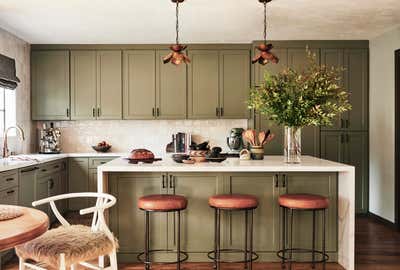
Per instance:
(6,152)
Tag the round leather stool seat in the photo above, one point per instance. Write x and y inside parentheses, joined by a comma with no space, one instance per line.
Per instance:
(234,201)
(162,202)
(303,201)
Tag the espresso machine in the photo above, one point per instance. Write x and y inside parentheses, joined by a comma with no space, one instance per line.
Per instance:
(49,139)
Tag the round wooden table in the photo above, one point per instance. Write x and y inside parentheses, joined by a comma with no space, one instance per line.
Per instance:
(30,225)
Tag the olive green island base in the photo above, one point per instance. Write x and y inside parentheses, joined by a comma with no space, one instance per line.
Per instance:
(266,179)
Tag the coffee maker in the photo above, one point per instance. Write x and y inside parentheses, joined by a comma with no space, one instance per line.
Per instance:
(49,139)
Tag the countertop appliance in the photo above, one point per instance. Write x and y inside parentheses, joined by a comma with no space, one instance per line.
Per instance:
(180,143)
(49,139)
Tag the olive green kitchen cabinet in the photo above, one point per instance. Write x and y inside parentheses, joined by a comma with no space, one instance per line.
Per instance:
(324,184)
(271,68)
(27,179)
(266,188)
(127,220)
(218,84)
(197,222)
(139,86)
(50,85)
(9,182)
(78,173)
(171,94)
(96,87)
(350,148)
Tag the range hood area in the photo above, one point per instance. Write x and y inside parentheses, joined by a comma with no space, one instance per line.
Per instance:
(8,74)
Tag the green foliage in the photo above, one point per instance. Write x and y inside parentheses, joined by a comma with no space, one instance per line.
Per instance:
(313,97)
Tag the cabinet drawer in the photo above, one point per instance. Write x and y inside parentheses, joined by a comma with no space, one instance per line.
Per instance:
(8,179)
(52,167)
(9,196)
(95,162)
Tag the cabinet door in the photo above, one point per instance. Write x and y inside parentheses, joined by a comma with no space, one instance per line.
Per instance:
(27,179)
(203,84)
(171,89)
(9,196)
(50,85)
(55,188)
(78,182)
(139,94)
(109,85)
(332,146)
(324,184)
(197,222)
(333,58)
(357,156)
(356,79)
(83,85)
(92,185)
(266,216)
(298,60)
(234,83)
(42,187)
(260,70)
(127,220)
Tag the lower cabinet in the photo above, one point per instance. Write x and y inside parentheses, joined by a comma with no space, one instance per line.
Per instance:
(350,148)
(197,221)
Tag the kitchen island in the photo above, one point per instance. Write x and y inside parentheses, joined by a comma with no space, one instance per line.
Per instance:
(266,179)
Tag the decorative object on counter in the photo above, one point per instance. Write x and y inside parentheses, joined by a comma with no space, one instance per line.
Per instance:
(245,154)
(265,55)
(199,151)
(204,146)
(257,142)
(181,143)
(234,140)
(215,155)
(177,56)
(49,139)
(102,147)
(179,158)
(142,155)
(311,97)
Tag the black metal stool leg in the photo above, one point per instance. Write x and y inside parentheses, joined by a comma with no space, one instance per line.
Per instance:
(251,240)
(218,255)
(291,239)
(147,241)
(313,241)
(246,240)
(215,238)
(323,238)
(178,253)
(283,236)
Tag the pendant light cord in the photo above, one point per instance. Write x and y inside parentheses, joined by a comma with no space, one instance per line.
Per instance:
(265,22)
(177,22)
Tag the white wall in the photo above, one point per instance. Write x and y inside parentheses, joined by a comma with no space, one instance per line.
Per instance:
(382,124)
(18,49)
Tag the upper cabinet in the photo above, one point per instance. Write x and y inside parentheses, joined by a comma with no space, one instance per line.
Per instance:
(218,84)
(50,85)
(152,89)
(96,88)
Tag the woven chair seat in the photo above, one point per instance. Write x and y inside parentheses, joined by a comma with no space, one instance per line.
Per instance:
(77,242)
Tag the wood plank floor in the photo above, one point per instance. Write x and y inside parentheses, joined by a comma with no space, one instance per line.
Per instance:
(377,248)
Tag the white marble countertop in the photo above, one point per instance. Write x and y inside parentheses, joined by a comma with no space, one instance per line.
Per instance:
(269,164)
(21,161)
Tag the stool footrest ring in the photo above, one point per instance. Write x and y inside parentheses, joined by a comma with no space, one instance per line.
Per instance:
(279,253)
(254,256)
(184,256)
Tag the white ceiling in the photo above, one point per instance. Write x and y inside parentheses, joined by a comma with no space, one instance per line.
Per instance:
(202,21)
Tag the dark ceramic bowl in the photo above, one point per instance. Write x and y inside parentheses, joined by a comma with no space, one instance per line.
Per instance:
(180,157)
(102,149)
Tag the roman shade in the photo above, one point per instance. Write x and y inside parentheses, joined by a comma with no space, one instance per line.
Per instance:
(8,77)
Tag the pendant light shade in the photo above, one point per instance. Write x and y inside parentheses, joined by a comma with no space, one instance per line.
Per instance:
(265,56)
(177,56)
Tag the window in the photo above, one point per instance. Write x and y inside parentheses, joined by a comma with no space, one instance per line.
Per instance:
(7,110)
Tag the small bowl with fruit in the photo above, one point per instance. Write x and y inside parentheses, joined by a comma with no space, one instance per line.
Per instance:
(102,147)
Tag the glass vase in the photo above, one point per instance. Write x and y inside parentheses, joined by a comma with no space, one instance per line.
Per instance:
(292,148)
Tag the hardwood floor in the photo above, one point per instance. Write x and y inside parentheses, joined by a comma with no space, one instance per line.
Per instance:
(377,248)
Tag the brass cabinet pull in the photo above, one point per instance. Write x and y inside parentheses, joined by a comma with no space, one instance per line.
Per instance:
(67,112)
(163,181)
(30,170)
(94,112)
(221,111)
(98,112)
(171,181)
(153,112)
(9,179)
(158,112)
(276,180)
(284,181)
(10,192)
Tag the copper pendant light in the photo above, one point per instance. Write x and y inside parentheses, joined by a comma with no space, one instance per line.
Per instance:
(265,56)
(177,56)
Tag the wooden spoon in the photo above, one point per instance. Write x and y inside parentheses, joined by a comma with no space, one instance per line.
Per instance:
(261,138)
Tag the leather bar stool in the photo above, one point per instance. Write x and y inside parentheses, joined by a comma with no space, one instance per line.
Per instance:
(302,202)
(235,202)
(162,203)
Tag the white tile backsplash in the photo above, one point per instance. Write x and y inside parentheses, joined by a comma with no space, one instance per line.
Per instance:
(125,135)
